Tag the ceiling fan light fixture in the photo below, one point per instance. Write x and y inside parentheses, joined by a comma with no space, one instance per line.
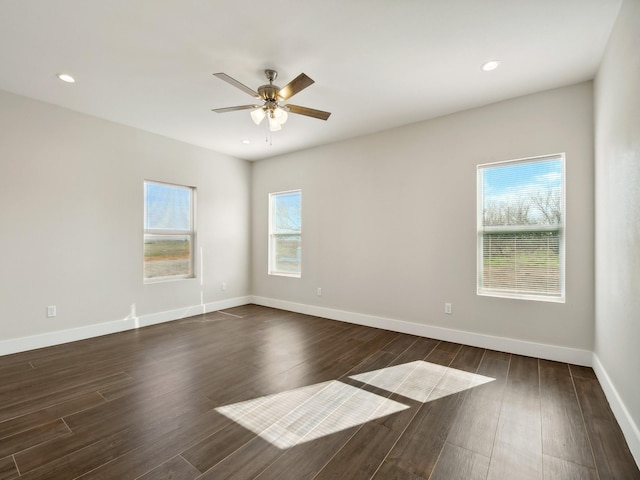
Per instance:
(274,125)
(258,115)
(281,115)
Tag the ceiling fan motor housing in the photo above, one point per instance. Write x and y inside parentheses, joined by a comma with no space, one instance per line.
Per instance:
(269,92)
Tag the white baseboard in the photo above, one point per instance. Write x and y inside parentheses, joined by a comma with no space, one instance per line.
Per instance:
(549,352)
(32,342)
(629,427)
(169,315)
(502,344)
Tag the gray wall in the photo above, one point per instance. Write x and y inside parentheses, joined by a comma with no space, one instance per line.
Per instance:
(389,220)
(617,328)
(71,209)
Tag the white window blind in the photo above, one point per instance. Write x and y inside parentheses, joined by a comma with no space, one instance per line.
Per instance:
(521,228)
(285,233)
(169,232)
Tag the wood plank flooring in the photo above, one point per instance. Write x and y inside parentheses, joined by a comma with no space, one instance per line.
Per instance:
(267,394)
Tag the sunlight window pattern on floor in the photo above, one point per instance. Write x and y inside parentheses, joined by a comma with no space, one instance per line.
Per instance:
(303,414)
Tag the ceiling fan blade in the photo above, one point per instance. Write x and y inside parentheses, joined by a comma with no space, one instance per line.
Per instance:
(309,112)
(233,109)
(294,86)
(237,84)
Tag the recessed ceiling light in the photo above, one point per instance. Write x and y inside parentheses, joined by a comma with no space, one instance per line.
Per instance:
(491,65)
(246,142)
(65,77)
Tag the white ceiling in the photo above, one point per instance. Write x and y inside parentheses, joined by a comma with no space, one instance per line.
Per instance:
(377,64)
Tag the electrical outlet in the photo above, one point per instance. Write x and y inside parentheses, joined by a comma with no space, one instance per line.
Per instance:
(51,311)
(447,308)
(224,286)
(319,292)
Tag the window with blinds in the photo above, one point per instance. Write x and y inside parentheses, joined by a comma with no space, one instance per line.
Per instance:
(285,233)
(169,233)
(521,218)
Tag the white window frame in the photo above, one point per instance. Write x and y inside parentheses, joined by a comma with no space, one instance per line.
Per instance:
(191,233)
(273,235)
(481,230)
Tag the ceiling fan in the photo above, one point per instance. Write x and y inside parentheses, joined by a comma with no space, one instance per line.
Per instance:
(271,95)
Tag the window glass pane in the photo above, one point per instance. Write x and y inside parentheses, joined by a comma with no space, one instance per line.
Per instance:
(167,255)
(285,233)
(287,253)
(521,228)
(287,213)
(167,207)
(527,263)
(523,193)
(169,232)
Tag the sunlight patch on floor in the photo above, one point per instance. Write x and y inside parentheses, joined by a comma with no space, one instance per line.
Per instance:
(289,418)
(303,414)
(422,381)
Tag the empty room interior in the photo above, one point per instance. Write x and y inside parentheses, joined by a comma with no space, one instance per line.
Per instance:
(339,239)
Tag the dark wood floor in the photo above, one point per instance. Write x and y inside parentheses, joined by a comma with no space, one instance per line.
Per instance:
(329,400)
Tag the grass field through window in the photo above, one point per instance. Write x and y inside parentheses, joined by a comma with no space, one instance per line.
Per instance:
(164,257)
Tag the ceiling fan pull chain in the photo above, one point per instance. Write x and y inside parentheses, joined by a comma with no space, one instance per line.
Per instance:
(268,138)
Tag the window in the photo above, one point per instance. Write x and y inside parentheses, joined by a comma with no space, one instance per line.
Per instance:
(521,228)
(285,233)
(169,234)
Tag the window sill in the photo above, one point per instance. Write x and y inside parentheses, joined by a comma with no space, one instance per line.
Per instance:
(149,281)
(285,274)
(521,296)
